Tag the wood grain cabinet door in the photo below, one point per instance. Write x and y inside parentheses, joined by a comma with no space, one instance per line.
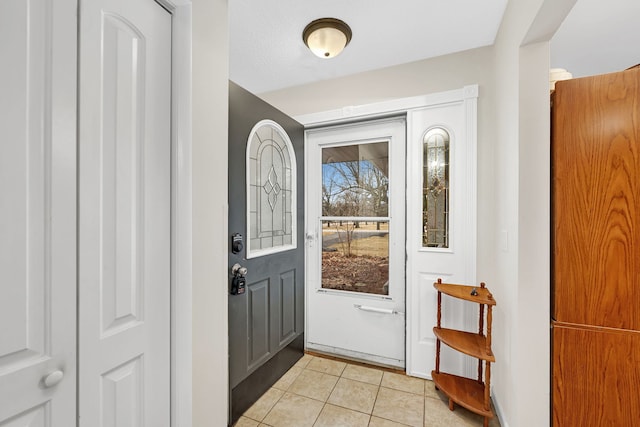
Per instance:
(596,377)
(596,199)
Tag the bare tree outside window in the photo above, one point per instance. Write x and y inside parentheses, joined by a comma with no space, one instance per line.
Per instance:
(355,230)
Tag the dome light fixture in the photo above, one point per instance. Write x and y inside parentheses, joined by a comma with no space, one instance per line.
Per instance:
(326,37)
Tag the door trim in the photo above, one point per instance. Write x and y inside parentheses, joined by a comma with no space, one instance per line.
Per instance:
(385,108)
(181,211)
(469,95)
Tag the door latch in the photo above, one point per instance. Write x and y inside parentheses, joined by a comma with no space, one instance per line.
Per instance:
(236,243)
(238,282)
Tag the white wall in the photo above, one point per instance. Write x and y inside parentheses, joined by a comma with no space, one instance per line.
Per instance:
(522,223)
(506,381)
(416,78)
(209,215)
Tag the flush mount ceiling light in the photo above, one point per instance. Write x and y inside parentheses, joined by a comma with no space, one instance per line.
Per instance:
(326,37)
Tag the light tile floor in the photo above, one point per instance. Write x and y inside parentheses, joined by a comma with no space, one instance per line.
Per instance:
(322,392)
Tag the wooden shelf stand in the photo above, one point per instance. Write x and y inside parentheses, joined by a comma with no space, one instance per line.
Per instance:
(469,393)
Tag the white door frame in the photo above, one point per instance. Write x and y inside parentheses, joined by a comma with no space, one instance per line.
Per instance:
(181,221)
(469,95)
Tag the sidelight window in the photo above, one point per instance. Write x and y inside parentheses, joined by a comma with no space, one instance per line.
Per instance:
(435,189)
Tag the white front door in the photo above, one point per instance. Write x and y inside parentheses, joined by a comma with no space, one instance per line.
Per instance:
(441,218)
(124,213)
(355,241)
(37,213)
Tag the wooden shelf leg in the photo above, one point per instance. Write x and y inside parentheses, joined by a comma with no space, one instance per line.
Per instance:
(439,312)
(489,320)
(487,384)
(486,422)
(480,332)
(451,407)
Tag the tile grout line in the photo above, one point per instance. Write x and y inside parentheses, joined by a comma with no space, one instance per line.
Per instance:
(374,402)
(270,409)
(341,375)
(324,404)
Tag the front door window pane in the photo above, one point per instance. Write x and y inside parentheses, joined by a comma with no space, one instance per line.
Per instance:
(355,223)
(271,190)
(355,180)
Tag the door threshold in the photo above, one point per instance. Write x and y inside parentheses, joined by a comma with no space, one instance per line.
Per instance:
(356,361)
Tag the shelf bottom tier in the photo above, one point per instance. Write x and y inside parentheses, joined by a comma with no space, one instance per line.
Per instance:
(466,392)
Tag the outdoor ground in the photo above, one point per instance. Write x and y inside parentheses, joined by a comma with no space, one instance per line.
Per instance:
(366,270)
(357,273)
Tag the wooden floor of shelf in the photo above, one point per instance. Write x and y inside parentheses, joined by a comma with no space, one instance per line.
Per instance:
(469,343)
(466,392)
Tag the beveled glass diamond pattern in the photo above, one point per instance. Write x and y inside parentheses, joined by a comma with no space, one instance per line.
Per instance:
(270,198)
(272,188)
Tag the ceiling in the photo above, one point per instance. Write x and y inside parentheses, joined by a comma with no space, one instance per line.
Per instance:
(598,37)
(267,52)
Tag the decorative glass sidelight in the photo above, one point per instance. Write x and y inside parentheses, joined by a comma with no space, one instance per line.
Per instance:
(435,189)
(271,190)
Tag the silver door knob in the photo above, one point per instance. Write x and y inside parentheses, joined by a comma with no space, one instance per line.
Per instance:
(53,378)
(239,270)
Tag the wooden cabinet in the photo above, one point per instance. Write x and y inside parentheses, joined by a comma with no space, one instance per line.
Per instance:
(596,204)
(595,130)
(469,393)
(596,376)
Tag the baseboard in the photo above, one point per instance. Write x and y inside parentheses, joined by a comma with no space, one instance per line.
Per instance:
(255,385)
(499,411)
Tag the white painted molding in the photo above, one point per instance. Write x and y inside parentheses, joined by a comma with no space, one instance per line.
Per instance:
(181,215)
(168,5)
(499,409)
(384,108)
(470,91)
(471,136)
(471,122)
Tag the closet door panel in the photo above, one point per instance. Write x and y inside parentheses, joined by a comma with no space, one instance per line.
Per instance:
(596,198)
(596,374)
(37,213)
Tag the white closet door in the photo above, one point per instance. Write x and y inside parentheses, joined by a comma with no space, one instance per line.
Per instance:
(124,213)
(37,213)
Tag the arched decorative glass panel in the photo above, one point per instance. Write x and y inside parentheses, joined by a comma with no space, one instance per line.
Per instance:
(435,189)
(271,190)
